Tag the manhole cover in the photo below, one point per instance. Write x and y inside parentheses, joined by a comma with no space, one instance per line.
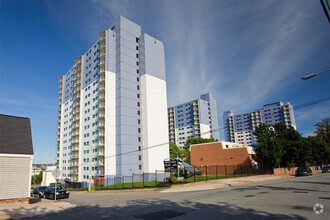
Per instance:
(165,214)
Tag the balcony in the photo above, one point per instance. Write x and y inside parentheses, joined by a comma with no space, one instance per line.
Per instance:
(101,163)
(74,134)
(102,88)
(101,133)
(102,55)
(101,124)
(75,156)
(75,140)
(102,38)
(102,47)
(75,148)
(76,111)
(101,114)
(102,79)
(102,64)
(101,142)
(76,85)
(101,97)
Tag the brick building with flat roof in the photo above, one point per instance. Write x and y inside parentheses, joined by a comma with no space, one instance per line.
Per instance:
(221,153)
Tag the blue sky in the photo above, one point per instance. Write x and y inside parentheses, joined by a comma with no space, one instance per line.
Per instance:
(247,53)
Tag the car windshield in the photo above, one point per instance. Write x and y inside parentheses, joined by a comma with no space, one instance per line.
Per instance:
(57,187)
(302,169)
(42,188)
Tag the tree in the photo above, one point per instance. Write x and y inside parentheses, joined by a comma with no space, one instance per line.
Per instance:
(37,178)
(323,130)
(269,150)
(196,140)
(283,145)
(175,151)
(291,141)
(320,153)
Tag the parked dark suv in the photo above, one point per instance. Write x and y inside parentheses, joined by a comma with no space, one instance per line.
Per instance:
(304,171)
(326,169)
(38,191)
(61,192)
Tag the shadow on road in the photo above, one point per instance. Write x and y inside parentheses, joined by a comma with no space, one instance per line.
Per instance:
(157,209)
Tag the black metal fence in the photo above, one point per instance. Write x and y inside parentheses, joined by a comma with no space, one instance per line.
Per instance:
(161,179)
(205,173)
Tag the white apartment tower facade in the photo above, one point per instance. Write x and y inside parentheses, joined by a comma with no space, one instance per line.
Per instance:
(240,128)
(113,107)
(197,118)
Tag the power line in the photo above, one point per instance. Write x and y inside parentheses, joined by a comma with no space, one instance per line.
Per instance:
(311,103)
(206,132)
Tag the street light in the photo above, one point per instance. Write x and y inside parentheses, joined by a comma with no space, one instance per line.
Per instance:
(307,77)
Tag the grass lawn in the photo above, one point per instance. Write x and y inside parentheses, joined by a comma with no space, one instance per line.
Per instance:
(214,177)
(154,184)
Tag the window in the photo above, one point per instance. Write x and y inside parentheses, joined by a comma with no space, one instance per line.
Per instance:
(139,157)
(140,167)
(139,130)
(137,63)
(138,95)
(138,104)
(138,79)
(138,112)
(137,71)
(139,148)
(139,121)
(137,40)
(139,139)
(137,48)
(137,55)
(138,87)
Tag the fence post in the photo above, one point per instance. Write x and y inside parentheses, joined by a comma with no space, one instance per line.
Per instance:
(234,171)
(216,171)
(226,170)
(206,171)
(241,170)
(143,179)
(194,174)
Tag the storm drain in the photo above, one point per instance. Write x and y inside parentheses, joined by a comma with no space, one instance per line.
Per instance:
(165,214)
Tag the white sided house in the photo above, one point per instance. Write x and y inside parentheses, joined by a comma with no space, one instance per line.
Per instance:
(16,155)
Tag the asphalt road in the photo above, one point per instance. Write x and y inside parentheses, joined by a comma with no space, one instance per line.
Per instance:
(292,198)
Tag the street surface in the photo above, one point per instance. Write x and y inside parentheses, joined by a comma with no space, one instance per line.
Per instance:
(292,198)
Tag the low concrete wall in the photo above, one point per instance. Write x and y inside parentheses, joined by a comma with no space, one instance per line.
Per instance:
(292,171)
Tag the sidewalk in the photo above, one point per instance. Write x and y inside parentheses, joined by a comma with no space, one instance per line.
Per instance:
(222,183)
(14,211)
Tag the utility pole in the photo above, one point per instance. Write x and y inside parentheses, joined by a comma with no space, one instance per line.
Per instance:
(55,183)
(177,159)
(34,176)
(45,181)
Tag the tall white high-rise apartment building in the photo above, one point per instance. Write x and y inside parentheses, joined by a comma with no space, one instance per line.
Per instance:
(197,118)
(239,128)
(113,107)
